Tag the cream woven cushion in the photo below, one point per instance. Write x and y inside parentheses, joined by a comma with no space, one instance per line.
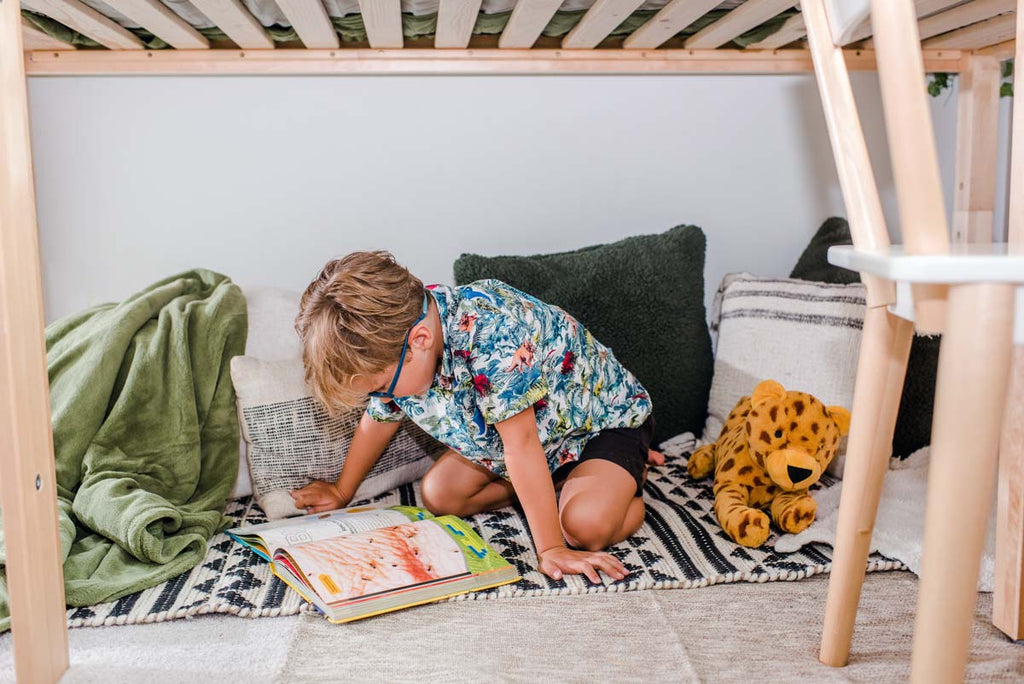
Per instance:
(291,440)
(803,334)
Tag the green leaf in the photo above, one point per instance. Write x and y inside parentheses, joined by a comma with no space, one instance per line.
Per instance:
(938,83)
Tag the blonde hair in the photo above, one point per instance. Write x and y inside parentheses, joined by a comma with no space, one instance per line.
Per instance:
(353,319)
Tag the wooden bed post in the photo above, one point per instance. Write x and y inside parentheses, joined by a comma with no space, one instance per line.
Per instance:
(884,350)
(976,148)
(27,481)
(1008,599)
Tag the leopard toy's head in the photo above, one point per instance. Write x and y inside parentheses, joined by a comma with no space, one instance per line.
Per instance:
(792,435)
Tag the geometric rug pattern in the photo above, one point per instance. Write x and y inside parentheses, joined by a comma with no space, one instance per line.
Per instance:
(680,545)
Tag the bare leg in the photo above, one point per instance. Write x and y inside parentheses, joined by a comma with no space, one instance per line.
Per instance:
(597,507)
(457,486)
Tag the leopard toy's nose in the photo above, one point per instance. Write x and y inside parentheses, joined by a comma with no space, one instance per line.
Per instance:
(798,475)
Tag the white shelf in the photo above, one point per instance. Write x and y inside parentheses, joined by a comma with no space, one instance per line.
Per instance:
(987,263)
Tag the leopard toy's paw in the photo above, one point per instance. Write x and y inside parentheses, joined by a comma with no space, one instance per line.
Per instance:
(748,527)
(702,462)
(798,515)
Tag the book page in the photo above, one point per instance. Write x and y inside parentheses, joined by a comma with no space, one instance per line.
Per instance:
(390,558)
(283,533)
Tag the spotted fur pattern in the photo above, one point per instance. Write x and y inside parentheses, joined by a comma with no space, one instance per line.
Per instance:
(774,445)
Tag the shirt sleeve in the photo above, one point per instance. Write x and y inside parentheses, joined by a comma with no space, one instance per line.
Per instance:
(507,365)
(384,411)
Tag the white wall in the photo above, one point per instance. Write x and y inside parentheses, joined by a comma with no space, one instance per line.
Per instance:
(266,178)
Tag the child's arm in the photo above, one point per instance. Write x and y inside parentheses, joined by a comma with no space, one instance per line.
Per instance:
(367,445)
(528,469)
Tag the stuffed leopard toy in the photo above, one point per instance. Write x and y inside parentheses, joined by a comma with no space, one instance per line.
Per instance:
(774,445)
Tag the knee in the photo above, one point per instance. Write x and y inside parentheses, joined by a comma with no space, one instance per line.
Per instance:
(586,529)
(438,497)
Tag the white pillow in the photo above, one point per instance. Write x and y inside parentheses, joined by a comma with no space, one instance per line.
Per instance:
(291,440)
(271,312)
(805,335)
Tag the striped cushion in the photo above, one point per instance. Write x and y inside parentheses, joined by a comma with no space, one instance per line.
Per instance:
(291,440)
(803,334)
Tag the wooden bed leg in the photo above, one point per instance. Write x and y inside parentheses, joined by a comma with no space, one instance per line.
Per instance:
(976,149)
(884,351)
(27,480)
(970,392)
(1008,597)
(1008,600)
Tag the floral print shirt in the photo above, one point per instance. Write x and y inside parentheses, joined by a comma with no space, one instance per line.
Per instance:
(504,351)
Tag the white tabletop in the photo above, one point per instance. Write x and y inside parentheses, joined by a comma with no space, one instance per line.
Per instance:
(989,263)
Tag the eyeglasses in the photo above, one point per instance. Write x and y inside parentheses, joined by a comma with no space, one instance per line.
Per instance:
(390,394)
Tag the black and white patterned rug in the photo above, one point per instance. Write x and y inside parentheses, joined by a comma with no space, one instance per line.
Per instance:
(679,546)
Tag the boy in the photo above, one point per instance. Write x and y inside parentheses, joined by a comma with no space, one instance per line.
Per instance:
(523,395)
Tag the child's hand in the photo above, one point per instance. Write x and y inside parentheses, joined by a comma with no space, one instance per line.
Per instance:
(655,457)
(319,496)
(561,560)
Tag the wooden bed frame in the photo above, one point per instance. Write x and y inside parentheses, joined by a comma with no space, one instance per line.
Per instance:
(829,37)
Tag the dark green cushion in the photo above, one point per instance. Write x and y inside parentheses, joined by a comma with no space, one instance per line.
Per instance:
(914,422)
(643,297)
(813,263)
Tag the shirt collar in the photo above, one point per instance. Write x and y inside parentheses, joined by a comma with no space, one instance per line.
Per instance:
(445,299)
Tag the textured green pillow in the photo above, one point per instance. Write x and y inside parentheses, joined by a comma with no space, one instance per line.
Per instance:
(643,297)
(914,422)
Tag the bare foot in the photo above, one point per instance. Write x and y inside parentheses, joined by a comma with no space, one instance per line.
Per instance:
(655,457)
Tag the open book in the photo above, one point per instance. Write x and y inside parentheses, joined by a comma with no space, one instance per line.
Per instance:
(357,562)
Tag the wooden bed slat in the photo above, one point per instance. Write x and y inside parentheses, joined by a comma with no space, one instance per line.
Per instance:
(670,20)
(959,17)
(1001,51)
(794,29)
(984,33)
(88,22)
(27,478)
(964,15)
(235,20)
(600,20)
(529,17)
(158,19)
(34,39)
(310,21)
(383,22)
(749,15)
(455,22)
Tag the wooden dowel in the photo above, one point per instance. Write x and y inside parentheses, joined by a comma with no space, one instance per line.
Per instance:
(27,479)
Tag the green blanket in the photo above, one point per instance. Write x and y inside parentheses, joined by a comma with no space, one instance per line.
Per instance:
(145,433)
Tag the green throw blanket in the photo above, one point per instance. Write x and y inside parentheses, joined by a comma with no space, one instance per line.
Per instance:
(144,432)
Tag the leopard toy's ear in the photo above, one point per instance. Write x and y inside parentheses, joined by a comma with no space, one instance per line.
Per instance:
(766,391)
(841,416)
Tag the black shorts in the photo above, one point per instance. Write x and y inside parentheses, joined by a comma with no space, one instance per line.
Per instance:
(625,446)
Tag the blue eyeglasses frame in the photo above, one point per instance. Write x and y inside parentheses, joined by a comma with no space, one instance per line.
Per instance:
(390,394)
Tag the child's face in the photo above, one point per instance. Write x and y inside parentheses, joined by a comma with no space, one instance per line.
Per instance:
(417,372)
